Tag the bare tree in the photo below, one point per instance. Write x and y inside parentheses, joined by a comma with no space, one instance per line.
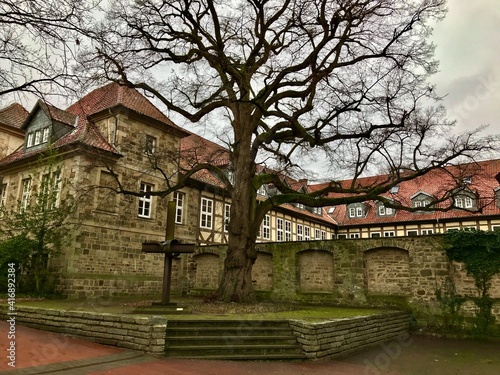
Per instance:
(38,40)
(345,80)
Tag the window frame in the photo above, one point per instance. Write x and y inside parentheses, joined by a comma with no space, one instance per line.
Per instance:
(227,216)
(26,184)
(145,203)
(179,198)
(300,232)
(150,144)
(206,213)
(279,229)
(288,230)
(266,227)
(307,233)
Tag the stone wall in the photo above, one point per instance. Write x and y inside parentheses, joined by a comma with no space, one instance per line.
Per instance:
(342,336)
(144,334)
(356,272)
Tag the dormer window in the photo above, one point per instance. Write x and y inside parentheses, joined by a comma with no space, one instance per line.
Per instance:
(38,137)
(262,191)
(464,201)
(300,206)
(385,211)
(421,199)
(356,210)
(29,141)
(45,135)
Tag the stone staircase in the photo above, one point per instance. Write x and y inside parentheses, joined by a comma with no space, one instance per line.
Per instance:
(232,340)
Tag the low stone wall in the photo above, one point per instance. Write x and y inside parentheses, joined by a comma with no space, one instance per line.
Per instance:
(340,337)
(136,333)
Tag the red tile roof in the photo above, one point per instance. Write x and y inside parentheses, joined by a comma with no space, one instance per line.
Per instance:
(13,115)
(113,95)
(436,183)
(77,116)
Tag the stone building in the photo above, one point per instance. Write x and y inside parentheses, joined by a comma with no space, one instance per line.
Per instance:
(461,197)
(114,135)
(11,135)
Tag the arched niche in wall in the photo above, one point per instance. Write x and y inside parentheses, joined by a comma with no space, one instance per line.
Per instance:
(316,271)
(387,271)
(207,271)
(262,271)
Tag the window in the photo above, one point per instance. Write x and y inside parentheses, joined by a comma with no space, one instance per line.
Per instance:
(331,209)
(342,236)
(307,233)
(426,232)
(323,235)
(375,235)
(317,210)
(38,137)
(266,227)
(300,206)
(29,141)
(317,234)
(262,191)
(150,145)
(357,210)
(45,134)
(288,230)
(3,194)
(227,216)
(389,233)
(179,199)
(300,232)
(332,236)
(207,213)
(464,201)
(354,235)
(495,228)
(469,228)
(279,229)
(412,233)
(468,202)
(385,211)
(50,190)
(25,192)
(145,201)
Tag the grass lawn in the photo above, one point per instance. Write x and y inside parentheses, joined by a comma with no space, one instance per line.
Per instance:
(201,310)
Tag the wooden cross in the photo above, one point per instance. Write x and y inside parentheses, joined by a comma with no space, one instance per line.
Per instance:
(171,248)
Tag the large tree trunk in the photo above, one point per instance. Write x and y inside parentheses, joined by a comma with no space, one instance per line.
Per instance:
(236,284)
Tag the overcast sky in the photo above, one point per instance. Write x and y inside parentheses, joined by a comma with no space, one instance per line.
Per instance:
(468,48)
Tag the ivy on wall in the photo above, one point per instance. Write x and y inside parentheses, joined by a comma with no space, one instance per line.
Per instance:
(479,251)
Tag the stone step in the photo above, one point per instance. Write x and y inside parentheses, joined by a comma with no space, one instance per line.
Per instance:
(224,350)
(218,331)
(227,323)
(231,340)
(251,357)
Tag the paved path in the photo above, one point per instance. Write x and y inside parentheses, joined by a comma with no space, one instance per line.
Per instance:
(41,352)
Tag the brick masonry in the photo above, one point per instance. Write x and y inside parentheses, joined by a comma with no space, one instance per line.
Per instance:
(145,334)
(318,340)
(355,272)
(340,337)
